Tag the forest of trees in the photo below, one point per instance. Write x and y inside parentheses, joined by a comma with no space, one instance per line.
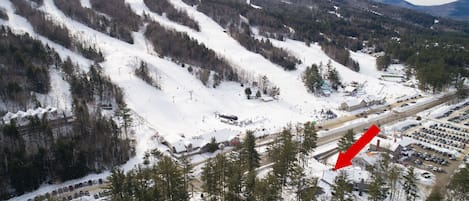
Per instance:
(227,14)
(164,180)
(423,49)
(312,78)
(142,72)
(54,32)
(74,10)
(63,150)
(263,47)
(123,19)
(25,63)
(184,49)
(225,177)
(341,55)
(164,6)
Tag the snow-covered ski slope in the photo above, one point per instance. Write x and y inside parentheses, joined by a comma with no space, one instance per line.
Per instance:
(172,112)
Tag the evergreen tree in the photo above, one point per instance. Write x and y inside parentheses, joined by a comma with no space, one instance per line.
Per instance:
(123,113)
(170,179)
(312,78)
(410,186)
(309,140)
(117,185)
(268,188)
(187,170)
(393,180)
(248,92)
(283,154)
(249,155)
(210,184)
(383,62)
(235,180)
(435,195)
(250,160)
(377,189)
(309,190)
(458,188)
(333,76)
(341,188)
(346,141)
(460,90)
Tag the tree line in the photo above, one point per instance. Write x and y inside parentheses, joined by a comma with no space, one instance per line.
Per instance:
(263,47)
(123,19)
(142,72)
(56,33)
(25,68)
(227,14)
(92,19)
(314,77)
(165,7)
(184,49)
(41,151)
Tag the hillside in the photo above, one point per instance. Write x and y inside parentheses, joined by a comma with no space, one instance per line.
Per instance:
(139,75)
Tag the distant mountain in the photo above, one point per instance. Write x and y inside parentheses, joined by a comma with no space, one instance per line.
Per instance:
(457,10)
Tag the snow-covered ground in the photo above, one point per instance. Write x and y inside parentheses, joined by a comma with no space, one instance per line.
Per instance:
(184,110)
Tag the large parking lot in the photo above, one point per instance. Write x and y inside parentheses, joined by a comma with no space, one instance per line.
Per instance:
(442,135)
(442,143)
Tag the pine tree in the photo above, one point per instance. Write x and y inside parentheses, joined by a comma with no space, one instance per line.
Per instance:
(268,188)
(346,141)
(210,184)
(341,188)
(235,180)
(123,113)
(283,154)
(309,141)
(377,189)
(309,190)
(249,154)
(458,188)
(393,179)
(435,195)
(187,170)
(312,78)
(117,185)
(250,160)
(170,180)
(248,92)
(410,186)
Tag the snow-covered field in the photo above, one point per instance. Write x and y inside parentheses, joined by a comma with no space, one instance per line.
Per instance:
(184,110)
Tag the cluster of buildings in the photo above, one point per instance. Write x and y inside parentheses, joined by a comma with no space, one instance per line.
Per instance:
(22,118)
(353,104)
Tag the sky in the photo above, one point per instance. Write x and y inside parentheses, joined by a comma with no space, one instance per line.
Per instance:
(430,2)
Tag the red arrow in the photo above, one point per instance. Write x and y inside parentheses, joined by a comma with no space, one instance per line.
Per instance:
(345,159)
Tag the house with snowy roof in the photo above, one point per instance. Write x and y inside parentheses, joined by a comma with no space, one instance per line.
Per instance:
(326,88)
(22,117)
(374,100)
(350,90)
(353,104)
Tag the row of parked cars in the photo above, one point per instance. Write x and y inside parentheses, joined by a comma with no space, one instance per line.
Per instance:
(443,135)
(453,109)
(430,158)
(69,189)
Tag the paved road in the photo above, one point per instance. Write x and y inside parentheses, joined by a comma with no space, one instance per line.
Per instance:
(335,134)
